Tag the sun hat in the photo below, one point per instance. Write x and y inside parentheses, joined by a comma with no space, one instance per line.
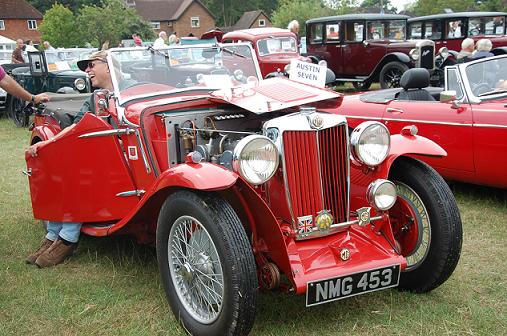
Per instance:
(97,55)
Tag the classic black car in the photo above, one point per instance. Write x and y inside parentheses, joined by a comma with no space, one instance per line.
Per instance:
(48,71)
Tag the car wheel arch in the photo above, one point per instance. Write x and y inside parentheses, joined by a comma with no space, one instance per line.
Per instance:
(392,57)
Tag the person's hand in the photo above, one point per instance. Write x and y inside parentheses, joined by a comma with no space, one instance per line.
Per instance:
(33,149)
(41,98)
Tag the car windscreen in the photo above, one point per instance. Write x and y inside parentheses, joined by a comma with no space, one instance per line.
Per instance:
(142,72)
(276,45)
(488,79)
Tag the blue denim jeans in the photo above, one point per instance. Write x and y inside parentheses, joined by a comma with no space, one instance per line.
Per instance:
(68,231)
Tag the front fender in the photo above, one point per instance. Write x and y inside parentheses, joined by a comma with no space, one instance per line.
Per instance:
(202,176)
(403,145)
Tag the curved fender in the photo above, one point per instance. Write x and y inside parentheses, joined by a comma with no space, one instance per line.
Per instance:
(202,176)
(411,144)
(43,132)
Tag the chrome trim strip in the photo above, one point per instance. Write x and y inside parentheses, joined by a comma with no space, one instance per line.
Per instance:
(143,153)
(131,193)
(490,126)
(107,133)
(412,121)
(349,223)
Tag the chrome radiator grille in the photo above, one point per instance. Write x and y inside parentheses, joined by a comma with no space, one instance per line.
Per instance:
(316,168)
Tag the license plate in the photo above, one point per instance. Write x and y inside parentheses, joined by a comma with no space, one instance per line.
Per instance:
(328,290)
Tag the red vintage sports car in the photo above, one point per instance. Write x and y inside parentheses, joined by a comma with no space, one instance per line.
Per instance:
(245,183)
(274,47)
(468,119)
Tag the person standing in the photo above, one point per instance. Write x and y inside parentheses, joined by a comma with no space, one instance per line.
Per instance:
(12,87)
(30,47)
(483,47)
(173,39)
(61,239)
(293,26)
(17,54)
(48,46)
(161,41)
(467,50)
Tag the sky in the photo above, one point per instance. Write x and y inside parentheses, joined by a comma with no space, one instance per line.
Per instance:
(400,4)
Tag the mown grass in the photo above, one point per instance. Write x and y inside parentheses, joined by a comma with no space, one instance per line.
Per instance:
(112,286)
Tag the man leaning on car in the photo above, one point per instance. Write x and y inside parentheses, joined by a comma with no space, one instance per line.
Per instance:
(62,237)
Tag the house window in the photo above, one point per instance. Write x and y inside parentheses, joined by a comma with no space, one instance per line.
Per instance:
(32,24)
(194,22)
(155,24)
(262,23)
(2,25)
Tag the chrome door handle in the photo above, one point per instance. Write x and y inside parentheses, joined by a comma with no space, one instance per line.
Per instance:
(27,172)
(394,110)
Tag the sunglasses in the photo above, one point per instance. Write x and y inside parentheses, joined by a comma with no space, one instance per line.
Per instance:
(92,64)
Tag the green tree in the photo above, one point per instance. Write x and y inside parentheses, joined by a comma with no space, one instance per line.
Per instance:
(73,5)
(58,27)
(427,7)
(300,10)
(493,5)
(112,22)
(379,4)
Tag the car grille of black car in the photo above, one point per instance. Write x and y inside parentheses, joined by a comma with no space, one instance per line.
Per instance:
(427,57)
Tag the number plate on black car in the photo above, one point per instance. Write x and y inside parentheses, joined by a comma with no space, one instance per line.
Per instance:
(323,291)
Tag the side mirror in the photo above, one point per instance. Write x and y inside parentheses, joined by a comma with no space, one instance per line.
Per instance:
(449,96)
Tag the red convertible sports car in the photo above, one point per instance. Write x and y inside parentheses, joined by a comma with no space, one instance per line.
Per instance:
(468,119)
(243,183)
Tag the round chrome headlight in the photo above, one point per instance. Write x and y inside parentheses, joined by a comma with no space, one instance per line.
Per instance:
(370,143)
(414,54)
(80,84)
(255,159)
(381,194)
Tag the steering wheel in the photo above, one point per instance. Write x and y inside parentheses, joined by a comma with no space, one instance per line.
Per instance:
(481,88)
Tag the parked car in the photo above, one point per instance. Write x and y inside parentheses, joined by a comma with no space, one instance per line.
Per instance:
(367,48)
(48,71)
(274,47)
(450,29)
(244,183)
(469,121)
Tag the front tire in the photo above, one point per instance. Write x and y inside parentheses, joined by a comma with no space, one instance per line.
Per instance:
(206,264)
(426,225)
(17,112)
(390,75)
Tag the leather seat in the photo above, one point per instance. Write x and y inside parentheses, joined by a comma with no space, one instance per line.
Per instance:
(413,83)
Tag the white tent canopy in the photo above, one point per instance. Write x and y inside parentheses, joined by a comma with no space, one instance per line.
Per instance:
(7,43)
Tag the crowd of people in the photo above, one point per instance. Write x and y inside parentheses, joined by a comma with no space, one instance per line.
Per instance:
(472,51)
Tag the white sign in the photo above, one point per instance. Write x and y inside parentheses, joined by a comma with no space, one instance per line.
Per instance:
(307,73)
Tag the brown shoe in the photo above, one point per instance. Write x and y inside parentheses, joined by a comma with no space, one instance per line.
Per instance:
(55,254)
(43,247)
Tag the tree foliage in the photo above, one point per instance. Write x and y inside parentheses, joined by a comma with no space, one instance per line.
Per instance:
(427,7)
(111,21)
(300,10)
(73,5)
(58,27)
(385,5)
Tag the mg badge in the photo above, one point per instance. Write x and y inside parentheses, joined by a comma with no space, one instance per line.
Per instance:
(316,121)
(345,254)
(324,220)
(363,216)
(305,225)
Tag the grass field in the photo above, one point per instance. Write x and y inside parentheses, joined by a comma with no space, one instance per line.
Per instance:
(112,286)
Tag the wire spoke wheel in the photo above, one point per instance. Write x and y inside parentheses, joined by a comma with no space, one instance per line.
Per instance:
(195,269)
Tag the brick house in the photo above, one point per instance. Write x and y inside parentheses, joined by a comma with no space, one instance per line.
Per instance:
(252,19)
(19,20)
(181,16)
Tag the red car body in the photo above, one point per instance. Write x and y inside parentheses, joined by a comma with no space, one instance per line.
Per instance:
(120,172)
(475,25)
(472,130)
(271,59)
